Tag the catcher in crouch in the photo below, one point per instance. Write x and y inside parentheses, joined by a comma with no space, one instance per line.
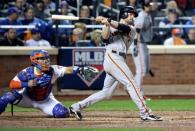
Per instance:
(31,87)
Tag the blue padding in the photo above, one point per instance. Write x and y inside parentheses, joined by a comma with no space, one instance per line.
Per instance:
(24,84)
(59,111)
(9,98)
(3,105)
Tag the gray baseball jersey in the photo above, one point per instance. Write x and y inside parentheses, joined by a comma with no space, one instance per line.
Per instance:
(144,22)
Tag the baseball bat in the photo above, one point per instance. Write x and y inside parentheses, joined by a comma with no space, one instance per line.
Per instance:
(67,17)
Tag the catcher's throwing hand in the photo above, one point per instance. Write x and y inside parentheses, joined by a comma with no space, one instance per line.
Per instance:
(32,83)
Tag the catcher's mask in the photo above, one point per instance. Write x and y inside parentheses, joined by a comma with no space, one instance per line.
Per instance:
(127,9)
(40,59)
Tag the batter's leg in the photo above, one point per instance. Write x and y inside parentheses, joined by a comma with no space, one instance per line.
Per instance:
(122,73)
(109,87)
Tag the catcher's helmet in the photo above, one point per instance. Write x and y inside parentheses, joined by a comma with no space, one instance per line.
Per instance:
(127,9)
(40,59)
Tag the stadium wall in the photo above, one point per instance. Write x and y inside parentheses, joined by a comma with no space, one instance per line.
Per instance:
(171,65)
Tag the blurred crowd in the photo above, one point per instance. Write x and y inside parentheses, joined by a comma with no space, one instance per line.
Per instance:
(37,13)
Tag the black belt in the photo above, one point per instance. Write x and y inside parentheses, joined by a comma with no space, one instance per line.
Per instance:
(119,53)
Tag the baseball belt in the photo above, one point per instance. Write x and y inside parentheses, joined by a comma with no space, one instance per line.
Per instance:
(119,53)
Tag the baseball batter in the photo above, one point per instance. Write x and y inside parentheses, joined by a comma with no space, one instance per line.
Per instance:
(118,36)
(31,87)
(139,49)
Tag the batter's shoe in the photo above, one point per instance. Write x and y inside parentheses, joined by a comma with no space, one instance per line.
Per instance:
(77,114)
(151,118)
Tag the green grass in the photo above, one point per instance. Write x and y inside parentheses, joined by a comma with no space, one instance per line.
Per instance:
(80,129)
(123,105)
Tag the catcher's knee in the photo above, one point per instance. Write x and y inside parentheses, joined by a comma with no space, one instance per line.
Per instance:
(9,98)
(59,111)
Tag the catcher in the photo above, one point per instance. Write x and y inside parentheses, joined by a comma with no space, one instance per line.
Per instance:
(31,87)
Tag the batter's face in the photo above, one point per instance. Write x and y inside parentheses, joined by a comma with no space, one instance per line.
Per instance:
(130,18)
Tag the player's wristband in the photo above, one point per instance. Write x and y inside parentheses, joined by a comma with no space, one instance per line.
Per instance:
(24,84)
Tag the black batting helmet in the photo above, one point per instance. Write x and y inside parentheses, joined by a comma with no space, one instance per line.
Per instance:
(127,9)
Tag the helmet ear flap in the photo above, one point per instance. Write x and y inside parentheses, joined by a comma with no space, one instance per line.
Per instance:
(125,15)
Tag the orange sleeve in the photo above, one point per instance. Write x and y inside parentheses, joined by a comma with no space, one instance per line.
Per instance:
(15,84)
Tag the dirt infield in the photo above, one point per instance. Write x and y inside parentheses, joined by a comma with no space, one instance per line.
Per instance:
(172,121)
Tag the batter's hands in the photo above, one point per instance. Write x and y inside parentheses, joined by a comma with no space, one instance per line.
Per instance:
(102,20)
(99,19)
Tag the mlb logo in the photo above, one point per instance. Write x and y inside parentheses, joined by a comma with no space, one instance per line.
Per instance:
(89,57)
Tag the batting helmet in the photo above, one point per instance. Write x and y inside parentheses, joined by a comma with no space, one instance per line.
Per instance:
(127,9)
(40,59)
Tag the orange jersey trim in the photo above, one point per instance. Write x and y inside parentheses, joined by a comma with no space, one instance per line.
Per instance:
(15,84)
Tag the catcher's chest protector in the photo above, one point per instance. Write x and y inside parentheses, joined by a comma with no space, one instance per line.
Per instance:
(44,86)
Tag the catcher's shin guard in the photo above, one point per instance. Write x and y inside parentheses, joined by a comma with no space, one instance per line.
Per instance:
(59,111)
(9,98)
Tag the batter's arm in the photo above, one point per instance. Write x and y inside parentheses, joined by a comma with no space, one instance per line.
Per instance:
(106,28)
(121,27)
(108,22)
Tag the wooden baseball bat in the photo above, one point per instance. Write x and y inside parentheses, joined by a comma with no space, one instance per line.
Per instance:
(67,17)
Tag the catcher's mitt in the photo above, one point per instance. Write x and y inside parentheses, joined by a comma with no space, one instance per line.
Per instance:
(88,72)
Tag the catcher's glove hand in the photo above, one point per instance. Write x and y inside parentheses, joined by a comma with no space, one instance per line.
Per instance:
(89,72)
